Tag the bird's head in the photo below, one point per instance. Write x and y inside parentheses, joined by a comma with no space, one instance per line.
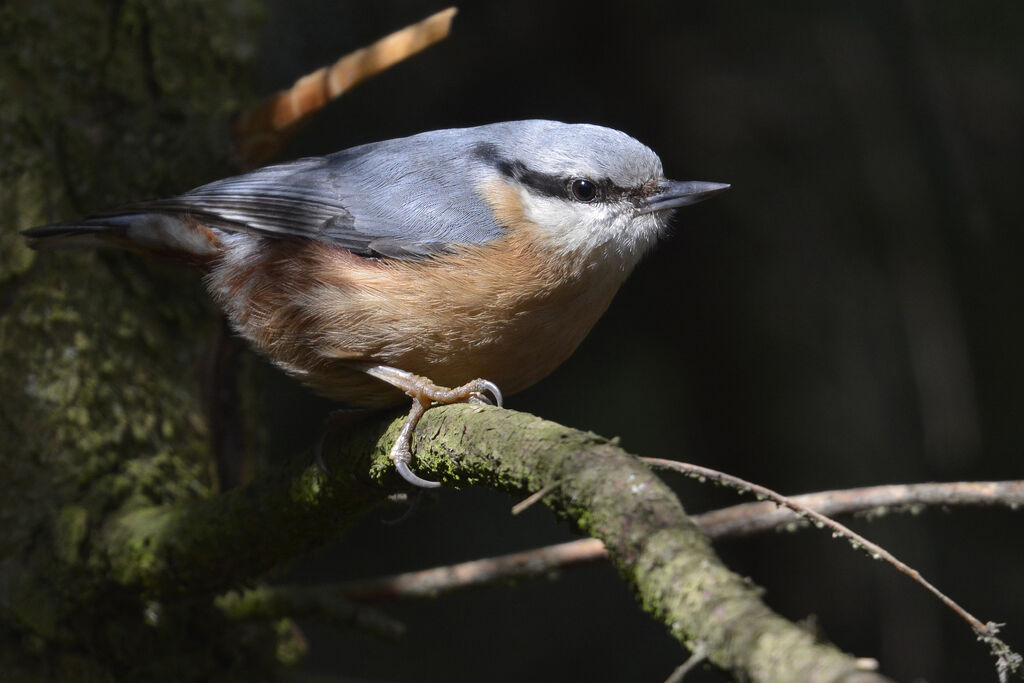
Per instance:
(585,188)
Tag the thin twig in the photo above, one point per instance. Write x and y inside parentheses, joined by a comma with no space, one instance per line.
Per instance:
(737,520)
(429,583)
(1008,660)
(874,501)
(260,133)
(698,656)
(533,498)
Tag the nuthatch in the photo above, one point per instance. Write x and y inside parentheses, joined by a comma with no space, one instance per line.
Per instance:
(452,255)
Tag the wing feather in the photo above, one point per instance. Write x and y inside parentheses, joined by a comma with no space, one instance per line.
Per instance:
(394,199)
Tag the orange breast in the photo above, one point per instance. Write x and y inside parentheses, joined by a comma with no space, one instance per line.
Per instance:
(509,311)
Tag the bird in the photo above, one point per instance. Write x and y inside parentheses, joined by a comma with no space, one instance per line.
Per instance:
(452,265)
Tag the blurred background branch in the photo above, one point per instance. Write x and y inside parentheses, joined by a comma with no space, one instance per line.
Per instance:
(737,520)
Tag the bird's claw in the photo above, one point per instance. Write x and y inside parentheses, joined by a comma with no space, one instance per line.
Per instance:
(402,466)
(479,395)
(423,393)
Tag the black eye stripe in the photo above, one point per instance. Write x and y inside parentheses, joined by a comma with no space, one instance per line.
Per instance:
(557,186)
(543,183)
(548,184)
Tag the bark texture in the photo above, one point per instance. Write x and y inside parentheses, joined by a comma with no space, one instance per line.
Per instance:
(103,103)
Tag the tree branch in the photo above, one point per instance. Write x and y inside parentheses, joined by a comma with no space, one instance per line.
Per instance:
(737,520)
(210,545)
(430,583)
(753,518)
(610,495)
(605,491)
(262,132)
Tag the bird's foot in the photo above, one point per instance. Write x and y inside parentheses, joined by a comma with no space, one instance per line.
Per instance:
(424,393)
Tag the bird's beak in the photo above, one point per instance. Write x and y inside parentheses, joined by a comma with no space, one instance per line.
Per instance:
(672,194)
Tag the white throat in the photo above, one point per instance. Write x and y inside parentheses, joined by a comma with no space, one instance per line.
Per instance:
(613,230)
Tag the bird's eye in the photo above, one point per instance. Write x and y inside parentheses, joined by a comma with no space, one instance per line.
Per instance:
(583,190)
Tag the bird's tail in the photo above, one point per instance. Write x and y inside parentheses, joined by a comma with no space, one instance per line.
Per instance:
(167,235)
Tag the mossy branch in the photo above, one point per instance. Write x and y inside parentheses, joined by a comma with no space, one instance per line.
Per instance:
(206,545)
(604,491)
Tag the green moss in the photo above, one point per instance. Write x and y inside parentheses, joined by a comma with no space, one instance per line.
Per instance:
(104,103)
(309,487)
(70,532)
(291,646)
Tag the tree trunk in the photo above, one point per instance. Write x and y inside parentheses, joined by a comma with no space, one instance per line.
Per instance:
(103,103)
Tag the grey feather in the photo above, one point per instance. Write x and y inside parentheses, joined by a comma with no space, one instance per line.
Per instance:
(402,198)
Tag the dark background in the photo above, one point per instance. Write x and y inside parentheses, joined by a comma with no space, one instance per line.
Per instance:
(848,314)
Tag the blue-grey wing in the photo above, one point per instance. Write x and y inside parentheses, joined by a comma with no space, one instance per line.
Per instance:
(383,199)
